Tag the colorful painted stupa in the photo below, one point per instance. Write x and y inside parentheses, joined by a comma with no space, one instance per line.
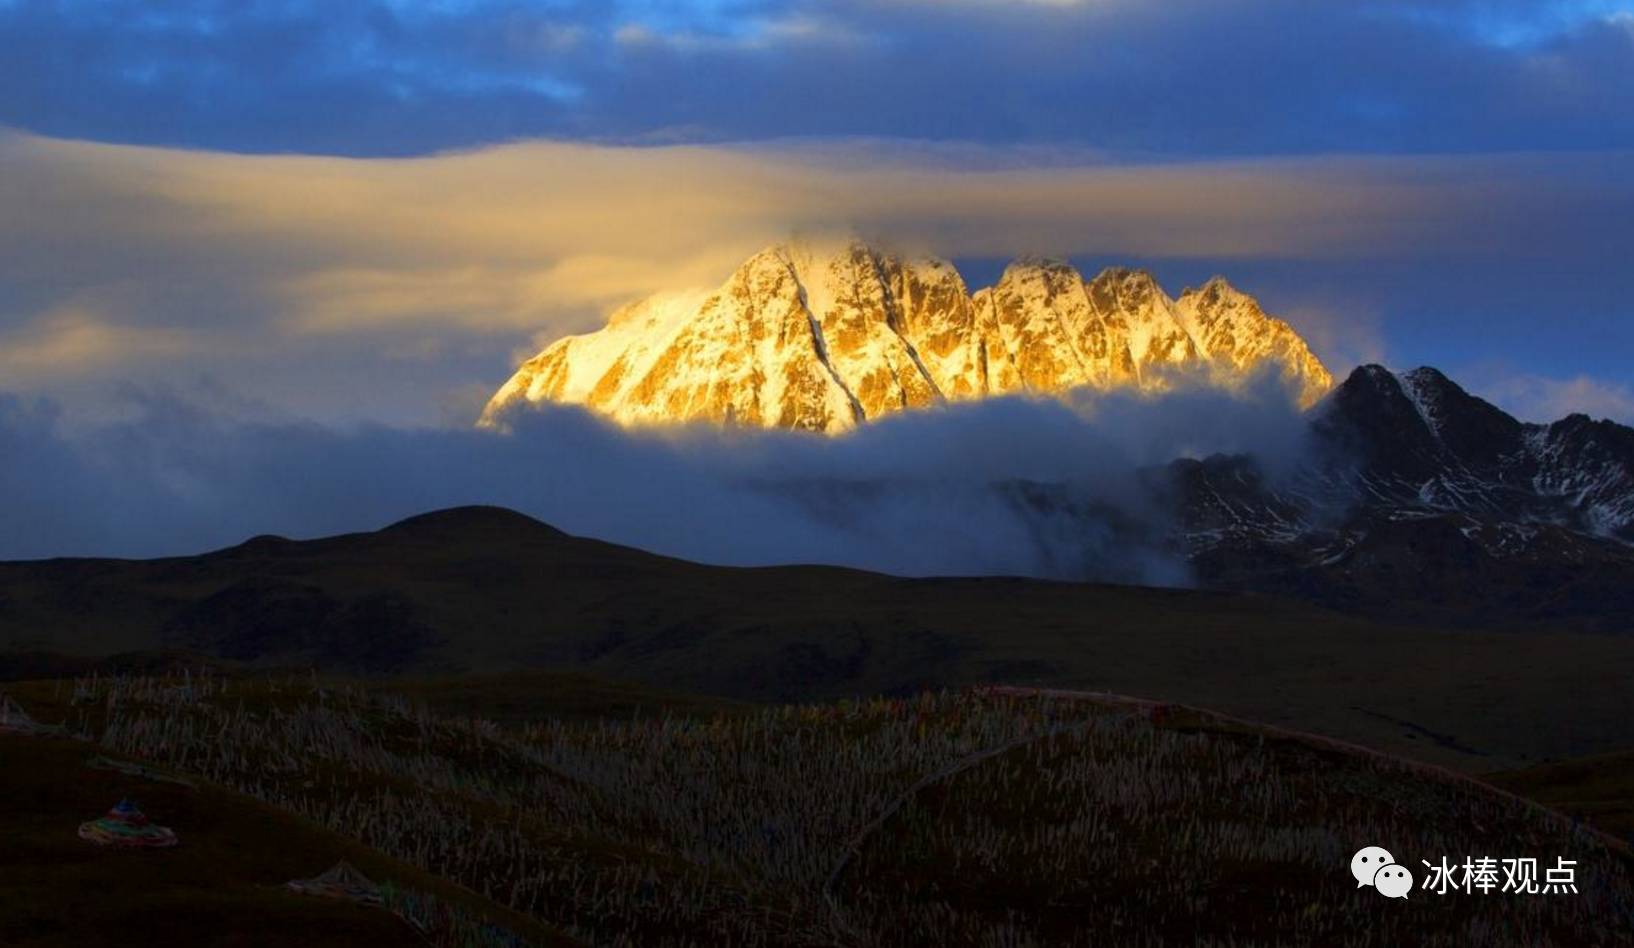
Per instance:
(125,825)
(340,882)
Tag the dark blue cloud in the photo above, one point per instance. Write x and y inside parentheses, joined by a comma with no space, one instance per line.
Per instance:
(930,493)
(1189,77)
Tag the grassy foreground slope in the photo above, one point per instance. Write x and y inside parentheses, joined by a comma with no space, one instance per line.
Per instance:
(222,886)
(1597,789)
(949,818)
(484,590)
(1204,831)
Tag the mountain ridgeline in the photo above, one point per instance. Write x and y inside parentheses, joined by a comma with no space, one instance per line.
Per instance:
(1421,501)
(1416,500)
(824,338)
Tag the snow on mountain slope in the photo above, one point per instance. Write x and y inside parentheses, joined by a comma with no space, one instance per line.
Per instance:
(1422,502)
(936,318)
(1414,446)
(1149,321)
(1589,465)
(1235,335)
(571,368)
(859,320)
(822,337)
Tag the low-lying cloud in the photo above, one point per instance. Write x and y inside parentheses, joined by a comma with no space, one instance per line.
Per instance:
(1009,486)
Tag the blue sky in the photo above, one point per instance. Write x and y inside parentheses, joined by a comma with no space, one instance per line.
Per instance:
(1182,77)
(1508,126)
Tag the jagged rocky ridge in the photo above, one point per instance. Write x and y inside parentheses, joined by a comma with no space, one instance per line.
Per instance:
(1414,500)
(1418,500)
(823,338)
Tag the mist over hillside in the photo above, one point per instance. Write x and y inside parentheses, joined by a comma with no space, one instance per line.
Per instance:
(949,491)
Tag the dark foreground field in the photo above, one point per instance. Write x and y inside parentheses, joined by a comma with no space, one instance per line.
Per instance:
(955,818)
(559,740)
(222,886)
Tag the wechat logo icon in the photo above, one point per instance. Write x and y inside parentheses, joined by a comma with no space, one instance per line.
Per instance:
(1374,866)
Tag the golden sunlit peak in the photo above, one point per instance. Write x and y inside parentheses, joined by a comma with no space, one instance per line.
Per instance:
(823,334)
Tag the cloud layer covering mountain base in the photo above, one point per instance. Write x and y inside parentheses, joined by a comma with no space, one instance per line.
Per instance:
(1008,486)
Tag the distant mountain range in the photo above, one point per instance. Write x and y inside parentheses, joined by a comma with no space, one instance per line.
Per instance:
(823,338)
(1415,500)
(1421,501)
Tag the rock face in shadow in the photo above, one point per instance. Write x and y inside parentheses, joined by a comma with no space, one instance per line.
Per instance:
(1422,502)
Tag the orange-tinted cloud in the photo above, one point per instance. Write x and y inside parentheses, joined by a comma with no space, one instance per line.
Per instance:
(1541,398)
(272,255)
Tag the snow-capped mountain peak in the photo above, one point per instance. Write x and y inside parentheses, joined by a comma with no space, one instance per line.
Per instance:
(823,336)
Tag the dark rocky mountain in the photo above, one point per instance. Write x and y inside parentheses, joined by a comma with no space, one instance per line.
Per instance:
(1423,502)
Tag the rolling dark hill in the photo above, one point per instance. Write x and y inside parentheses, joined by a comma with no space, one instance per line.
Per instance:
(484,590)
